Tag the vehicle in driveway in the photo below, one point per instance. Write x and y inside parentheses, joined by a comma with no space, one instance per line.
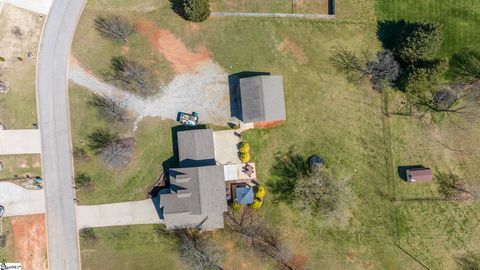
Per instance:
(2,210)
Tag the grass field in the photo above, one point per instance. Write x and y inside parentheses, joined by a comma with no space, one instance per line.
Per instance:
(6,249)
(327,115)
(129,247)
(20,165)
(459,19)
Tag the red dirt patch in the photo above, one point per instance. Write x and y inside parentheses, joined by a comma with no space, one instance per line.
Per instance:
(297,262)
(183,60)
(289,46)
(30,241)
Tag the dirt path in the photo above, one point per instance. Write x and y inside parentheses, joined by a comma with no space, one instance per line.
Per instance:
(29,241)
(182,59)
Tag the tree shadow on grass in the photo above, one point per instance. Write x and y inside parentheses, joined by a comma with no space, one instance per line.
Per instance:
(288,168)
(178,7)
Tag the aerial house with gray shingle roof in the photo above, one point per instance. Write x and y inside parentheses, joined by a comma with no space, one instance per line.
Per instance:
(197,195)
(262,100)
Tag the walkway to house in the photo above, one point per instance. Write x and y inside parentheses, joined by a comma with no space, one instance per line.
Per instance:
(19,201)
(116,214)
(21,141)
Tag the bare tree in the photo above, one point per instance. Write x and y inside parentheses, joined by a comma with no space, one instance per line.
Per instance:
(118,153)
(452,187)
(384,71)
(87,234)
(79,153)
(131,76)
(199,252)
(114,28)
(108,108)
(469,261)
(317,192)
(258,235)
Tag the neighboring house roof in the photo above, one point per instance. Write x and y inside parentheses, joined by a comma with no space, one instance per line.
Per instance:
(262,98)
(419,174)
(196,148)
(244,195)
(197,197)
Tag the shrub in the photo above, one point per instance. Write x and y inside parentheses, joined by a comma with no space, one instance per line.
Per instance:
(2,59)
(245,157)
(244,147)
(257,203)
(87,234)
(260,192)
(114,28)
(235,206)
(83,180)
(197,10)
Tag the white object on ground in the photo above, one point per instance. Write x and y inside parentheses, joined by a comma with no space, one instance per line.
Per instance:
(19,201)
(205,91)
(116,214)
(20,141)
(38,6)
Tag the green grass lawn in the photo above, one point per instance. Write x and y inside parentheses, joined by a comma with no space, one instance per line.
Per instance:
(327,115)
(6,249)
(459,19)
(153,146)
(129,247)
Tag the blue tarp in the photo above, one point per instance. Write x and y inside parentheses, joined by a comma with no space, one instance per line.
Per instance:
(244,195)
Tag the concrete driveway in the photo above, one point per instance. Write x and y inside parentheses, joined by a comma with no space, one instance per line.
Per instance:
(22,141)
(116,214)
(19,201)
(38,6)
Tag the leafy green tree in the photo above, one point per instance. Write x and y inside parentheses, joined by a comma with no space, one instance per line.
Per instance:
(197,10)
(418,41)
(465,65)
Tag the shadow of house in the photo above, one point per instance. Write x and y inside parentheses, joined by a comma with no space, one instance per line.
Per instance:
(402,171)
(234,90)
(332,9)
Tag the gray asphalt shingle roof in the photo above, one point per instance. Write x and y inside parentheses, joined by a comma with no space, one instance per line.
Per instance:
(196,148)
(197,193)
(262,98)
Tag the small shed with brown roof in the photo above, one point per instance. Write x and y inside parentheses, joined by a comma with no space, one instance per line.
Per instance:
(419,175)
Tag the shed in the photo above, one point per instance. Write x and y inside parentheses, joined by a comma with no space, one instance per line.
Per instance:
(419,175)
(244,195)
(262,100)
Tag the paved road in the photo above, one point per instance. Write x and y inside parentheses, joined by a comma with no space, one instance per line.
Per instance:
(116,214)
(20,141)
(19,201)
(63,248)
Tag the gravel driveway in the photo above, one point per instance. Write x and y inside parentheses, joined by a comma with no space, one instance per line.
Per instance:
(204,91)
